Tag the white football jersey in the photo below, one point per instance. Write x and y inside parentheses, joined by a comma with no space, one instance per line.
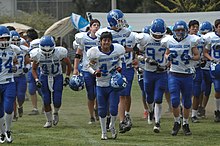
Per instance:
(153,49)
(85,42)
(49,65)
(179,64)
(118,36)
(106,62)
(212,41)
(21,60)
(7,56)
(130,43)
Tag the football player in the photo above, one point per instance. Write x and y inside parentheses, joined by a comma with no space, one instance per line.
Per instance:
(104,61)
(197,81)
(23,67)
(49,58)
(213,47)
(8,59)
(205,27)
(120,33)
(155,70)
(181,51)
(85,41)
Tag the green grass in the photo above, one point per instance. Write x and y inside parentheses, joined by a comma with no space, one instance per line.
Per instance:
(74,130)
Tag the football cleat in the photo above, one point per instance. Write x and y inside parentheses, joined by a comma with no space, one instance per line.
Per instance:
(186,129)
(91,121)
(176,128)
(122,128)
(34,112)
(128,122)
(104,136)
(8,136)
(55,119)
(114,133)
(194,119)
(48,124)
(157,128)
(2,138)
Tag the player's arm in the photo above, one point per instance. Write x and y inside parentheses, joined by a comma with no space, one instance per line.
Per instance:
(206,53)
(166,55)
(68,64)
(196,55)
(34,70)
(77,59)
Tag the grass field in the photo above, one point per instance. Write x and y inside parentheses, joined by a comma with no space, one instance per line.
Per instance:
(74,130)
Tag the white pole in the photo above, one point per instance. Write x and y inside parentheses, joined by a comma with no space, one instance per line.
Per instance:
(114,4)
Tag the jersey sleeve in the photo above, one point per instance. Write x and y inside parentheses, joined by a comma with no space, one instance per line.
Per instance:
(79,40)
(120,49)
(16,49)
(142,39)
(92,53)
(24,48)
(62,52)
(34,54)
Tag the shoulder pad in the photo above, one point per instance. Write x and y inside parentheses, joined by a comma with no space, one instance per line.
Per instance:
(16,49)
(61,52)
(75,45)
(119,48)
(79,37)
(92,53)
(34,54)
(24,48)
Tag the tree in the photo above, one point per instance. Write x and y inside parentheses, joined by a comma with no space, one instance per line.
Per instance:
(191,5)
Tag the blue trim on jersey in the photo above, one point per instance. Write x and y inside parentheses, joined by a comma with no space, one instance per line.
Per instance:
(90,36)
(108,53)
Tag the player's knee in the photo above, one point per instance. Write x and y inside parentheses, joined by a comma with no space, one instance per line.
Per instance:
(102,112)
(113,111)
(175,102)
(150,99)
(187,103)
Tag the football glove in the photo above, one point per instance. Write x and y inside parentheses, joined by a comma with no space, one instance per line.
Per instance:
(66,81)
(151,61)
(203,62)
(38,84)
(25,70)
(98,73)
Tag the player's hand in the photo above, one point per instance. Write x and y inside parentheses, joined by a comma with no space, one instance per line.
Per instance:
(66,81)
(187,57)
(171,56)
(14,69)
(38,84)
(151,61)
(97,73)
(215,61)
(203,62)
(119,69)
(25,70)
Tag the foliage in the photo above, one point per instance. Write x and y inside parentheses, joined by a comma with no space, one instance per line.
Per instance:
(39,21)
(190,5)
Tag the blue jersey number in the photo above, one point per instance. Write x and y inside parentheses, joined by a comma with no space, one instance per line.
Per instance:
(175,61)
(20,60)
(216,51)
(7,65)
(54,68)
(151,53)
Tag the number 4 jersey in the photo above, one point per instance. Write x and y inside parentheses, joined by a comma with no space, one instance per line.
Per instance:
(106,62)
(49,65)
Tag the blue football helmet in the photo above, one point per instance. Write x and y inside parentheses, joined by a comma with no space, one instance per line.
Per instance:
(47,45)
(15,38)
(205,27)
(146,29)
(215,69)
(158,29)
(76,82)
(4,33)
(118,82)
(116,18)
(180,30)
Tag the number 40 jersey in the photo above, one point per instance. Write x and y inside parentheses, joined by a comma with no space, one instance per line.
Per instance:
(49,65)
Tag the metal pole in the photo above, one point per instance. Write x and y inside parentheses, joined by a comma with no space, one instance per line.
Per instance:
(114,4)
